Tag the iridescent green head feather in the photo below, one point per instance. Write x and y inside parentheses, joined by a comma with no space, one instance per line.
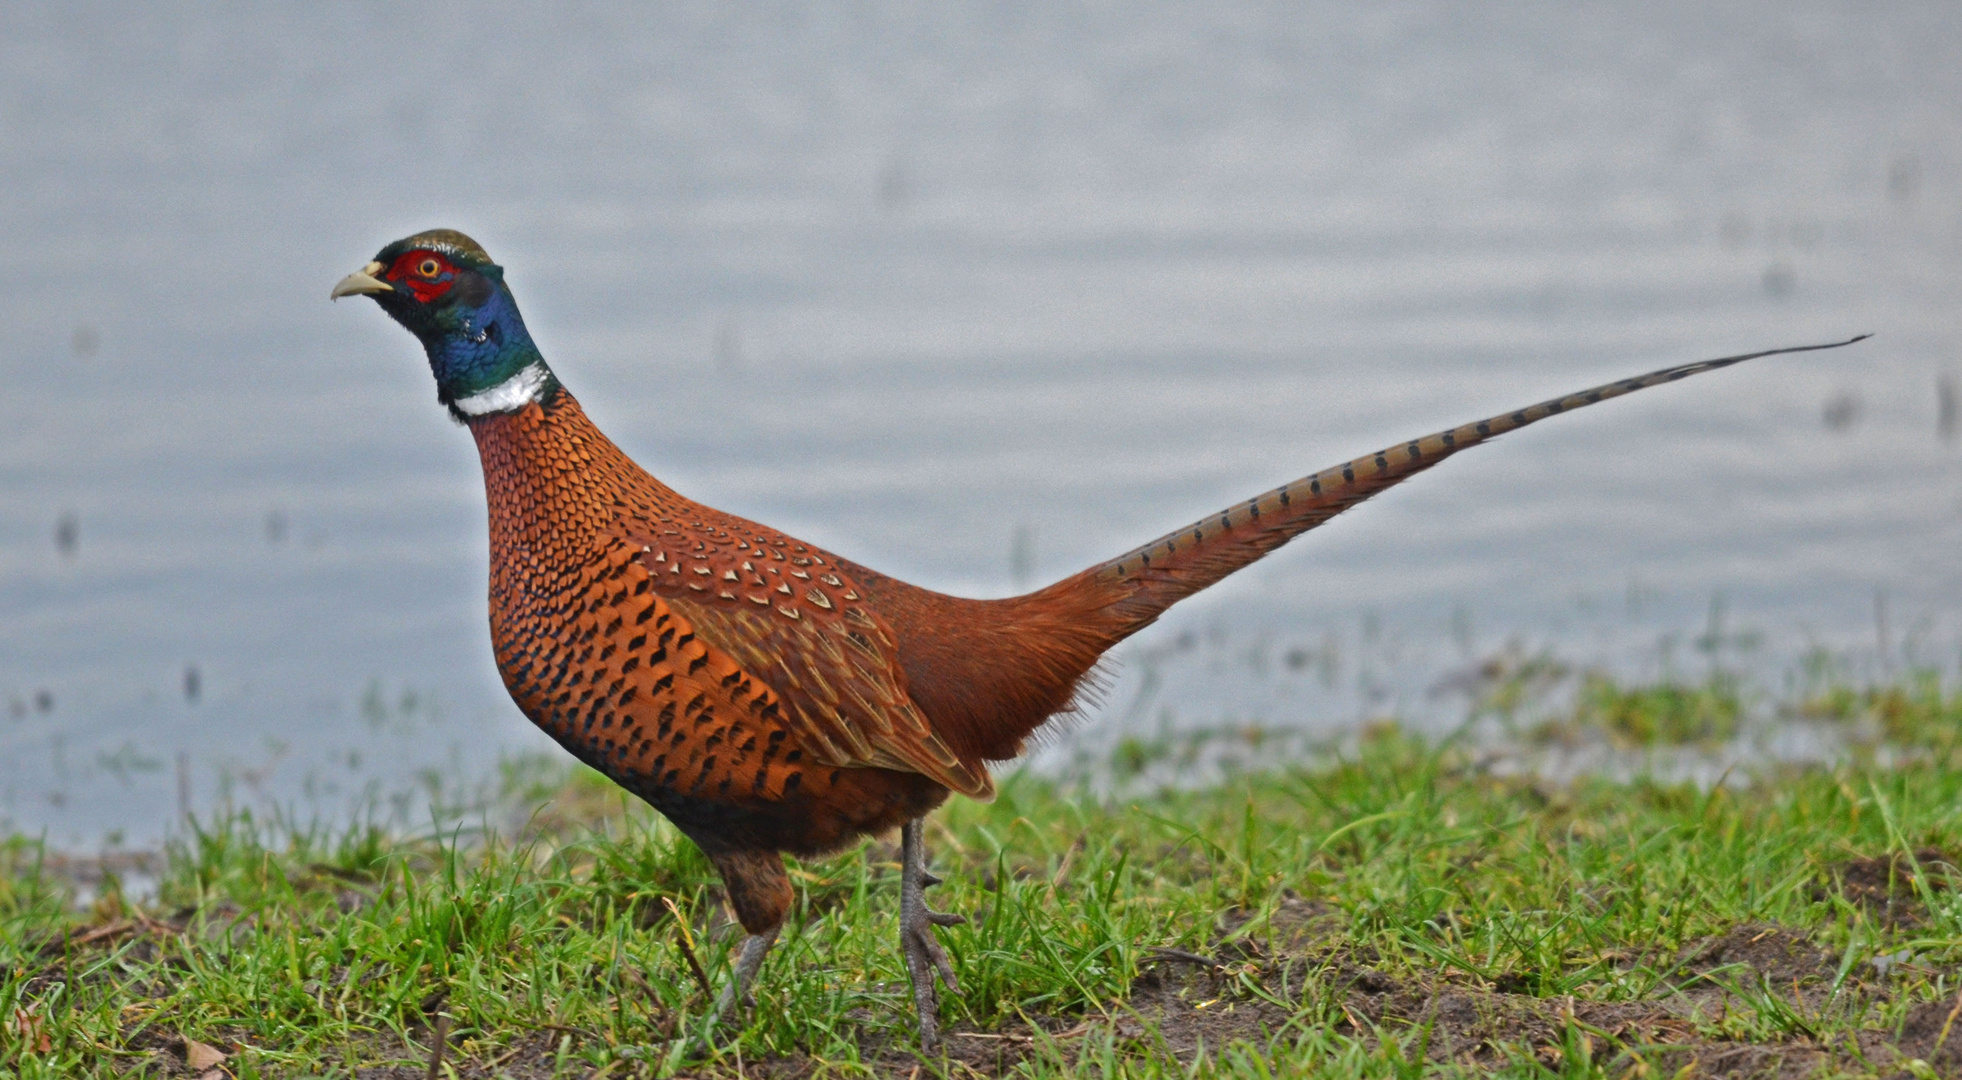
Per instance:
(445,289)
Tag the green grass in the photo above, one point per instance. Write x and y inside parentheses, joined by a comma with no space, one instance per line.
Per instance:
(1394,912)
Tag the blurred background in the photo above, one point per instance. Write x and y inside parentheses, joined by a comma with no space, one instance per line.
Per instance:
(977,297)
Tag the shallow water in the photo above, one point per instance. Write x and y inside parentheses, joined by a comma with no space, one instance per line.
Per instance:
(915,285)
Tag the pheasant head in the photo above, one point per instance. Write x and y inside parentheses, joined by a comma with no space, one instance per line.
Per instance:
(445,289)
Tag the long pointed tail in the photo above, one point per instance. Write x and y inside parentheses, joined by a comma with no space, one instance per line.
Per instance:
(1137,586)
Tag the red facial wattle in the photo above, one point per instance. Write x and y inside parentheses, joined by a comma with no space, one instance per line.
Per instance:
(412,270)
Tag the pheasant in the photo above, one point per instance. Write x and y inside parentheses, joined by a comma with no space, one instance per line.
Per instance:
(768,696)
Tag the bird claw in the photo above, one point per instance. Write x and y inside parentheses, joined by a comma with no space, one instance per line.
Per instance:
(922,947)
(925,958)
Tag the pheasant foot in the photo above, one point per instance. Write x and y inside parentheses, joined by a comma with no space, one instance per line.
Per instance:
(924,956)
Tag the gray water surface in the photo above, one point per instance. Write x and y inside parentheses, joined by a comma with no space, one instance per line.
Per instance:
(977,297)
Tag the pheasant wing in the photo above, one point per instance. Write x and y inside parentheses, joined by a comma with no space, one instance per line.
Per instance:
(795,622)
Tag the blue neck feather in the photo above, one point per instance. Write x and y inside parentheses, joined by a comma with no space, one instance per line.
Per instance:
(473,347)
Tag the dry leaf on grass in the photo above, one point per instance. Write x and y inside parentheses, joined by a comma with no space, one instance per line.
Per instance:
(203,1058)
(33,1034)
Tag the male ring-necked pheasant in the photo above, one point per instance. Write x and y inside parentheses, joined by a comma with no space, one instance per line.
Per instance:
(765,695)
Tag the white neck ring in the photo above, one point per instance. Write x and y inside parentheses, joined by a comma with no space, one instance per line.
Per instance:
(514,393)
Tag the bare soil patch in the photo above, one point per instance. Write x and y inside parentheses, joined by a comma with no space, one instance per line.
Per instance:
(1759,956)
(1885,887)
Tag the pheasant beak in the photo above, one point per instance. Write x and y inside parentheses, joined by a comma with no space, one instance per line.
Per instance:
(362,282)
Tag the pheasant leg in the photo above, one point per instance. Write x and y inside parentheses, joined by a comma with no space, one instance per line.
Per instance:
(759,894)
(748,962)
(924,956)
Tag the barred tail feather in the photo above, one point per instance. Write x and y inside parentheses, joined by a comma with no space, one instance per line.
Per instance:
(1137,586)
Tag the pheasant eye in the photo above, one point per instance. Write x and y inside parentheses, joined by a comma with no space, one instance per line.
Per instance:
(429,268)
